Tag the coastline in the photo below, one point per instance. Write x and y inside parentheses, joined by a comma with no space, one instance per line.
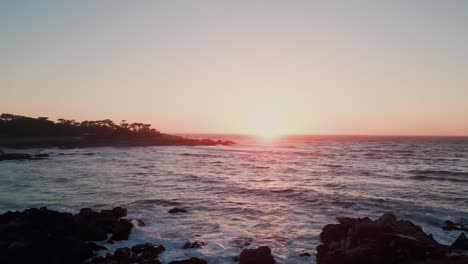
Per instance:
(84,142)
(40,235)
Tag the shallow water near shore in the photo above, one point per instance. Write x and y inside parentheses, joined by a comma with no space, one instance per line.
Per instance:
(276,193)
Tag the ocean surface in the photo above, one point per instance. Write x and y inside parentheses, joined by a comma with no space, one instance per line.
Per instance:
(278,193)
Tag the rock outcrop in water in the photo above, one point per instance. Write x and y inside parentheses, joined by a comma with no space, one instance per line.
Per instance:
(383,241)
(176,210)
(47,236)
(21,156)
(261,255)
(141,253)
(449,225)
(43,236)
(192,260)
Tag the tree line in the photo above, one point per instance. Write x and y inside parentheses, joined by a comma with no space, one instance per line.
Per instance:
(22,126)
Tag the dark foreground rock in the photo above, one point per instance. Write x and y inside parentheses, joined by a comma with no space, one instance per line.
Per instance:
(461,242)
(383,241)
(261,255)
(47,236)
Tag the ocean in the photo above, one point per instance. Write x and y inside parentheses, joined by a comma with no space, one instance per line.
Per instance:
(277,192)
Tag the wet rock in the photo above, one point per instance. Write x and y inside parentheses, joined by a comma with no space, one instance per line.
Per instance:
(98,259)
(261,255)
(121,230)
(383,241)
(95,246)
(148,249)
(96,226)
(15,156)
(176,210)
(123,255)
(305,254)
(194,244)
(461,242)
(110,259)
(47,236)
(192,260)
(242,242)
(449,225)
(119,212)
(42,155)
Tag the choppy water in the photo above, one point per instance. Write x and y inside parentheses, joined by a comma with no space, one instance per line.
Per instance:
(278,194)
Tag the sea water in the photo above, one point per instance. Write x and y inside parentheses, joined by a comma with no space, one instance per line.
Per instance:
(274,192)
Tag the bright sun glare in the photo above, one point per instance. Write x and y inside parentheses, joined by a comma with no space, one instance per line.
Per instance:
(267,125)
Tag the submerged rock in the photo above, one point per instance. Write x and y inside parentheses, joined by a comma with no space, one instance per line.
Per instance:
(449,225)
(261,255)
(15,156)
(194,244)
(21,156)
(242,242)
(383,241)
(176,210)
(192,260)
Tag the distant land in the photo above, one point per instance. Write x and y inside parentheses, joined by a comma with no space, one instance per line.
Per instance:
(18,131)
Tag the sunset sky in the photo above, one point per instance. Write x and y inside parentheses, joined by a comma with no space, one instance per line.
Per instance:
(280,67)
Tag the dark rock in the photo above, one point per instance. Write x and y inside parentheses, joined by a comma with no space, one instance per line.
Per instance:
(119,212)
(261,255)
(192,260)
(177,210)
(146,253)
(47,236)
(42,155)
(123,255)
(95,226)
(95,246)
(121,230)
(194,244)
(305,254)
(98,259)
(242,242)
(15,156)
(383,241)
(461,242)
(449,225)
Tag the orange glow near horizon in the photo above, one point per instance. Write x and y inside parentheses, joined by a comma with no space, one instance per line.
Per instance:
(268,124)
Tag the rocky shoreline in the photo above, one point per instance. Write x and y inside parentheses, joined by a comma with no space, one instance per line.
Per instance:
(48,236)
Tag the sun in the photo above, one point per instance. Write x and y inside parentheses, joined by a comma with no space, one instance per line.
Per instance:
(267,125)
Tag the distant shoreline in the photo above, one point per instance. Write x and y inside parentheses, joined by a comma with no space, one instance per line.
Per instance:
(78,142)
(26,132)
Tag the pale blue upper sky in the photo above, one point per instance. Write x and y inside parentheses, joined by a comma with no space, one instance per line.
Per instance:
(341,67)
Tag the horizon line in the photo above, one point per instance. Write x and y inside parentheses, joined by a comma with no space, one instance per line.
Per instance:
(320,135)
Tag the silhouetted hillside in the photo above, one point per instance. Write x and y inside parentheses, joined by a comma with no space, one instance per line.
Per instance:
(22,131)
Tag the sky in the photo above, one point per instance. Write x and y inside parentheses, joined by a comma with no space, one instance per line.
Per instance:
(262,67)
